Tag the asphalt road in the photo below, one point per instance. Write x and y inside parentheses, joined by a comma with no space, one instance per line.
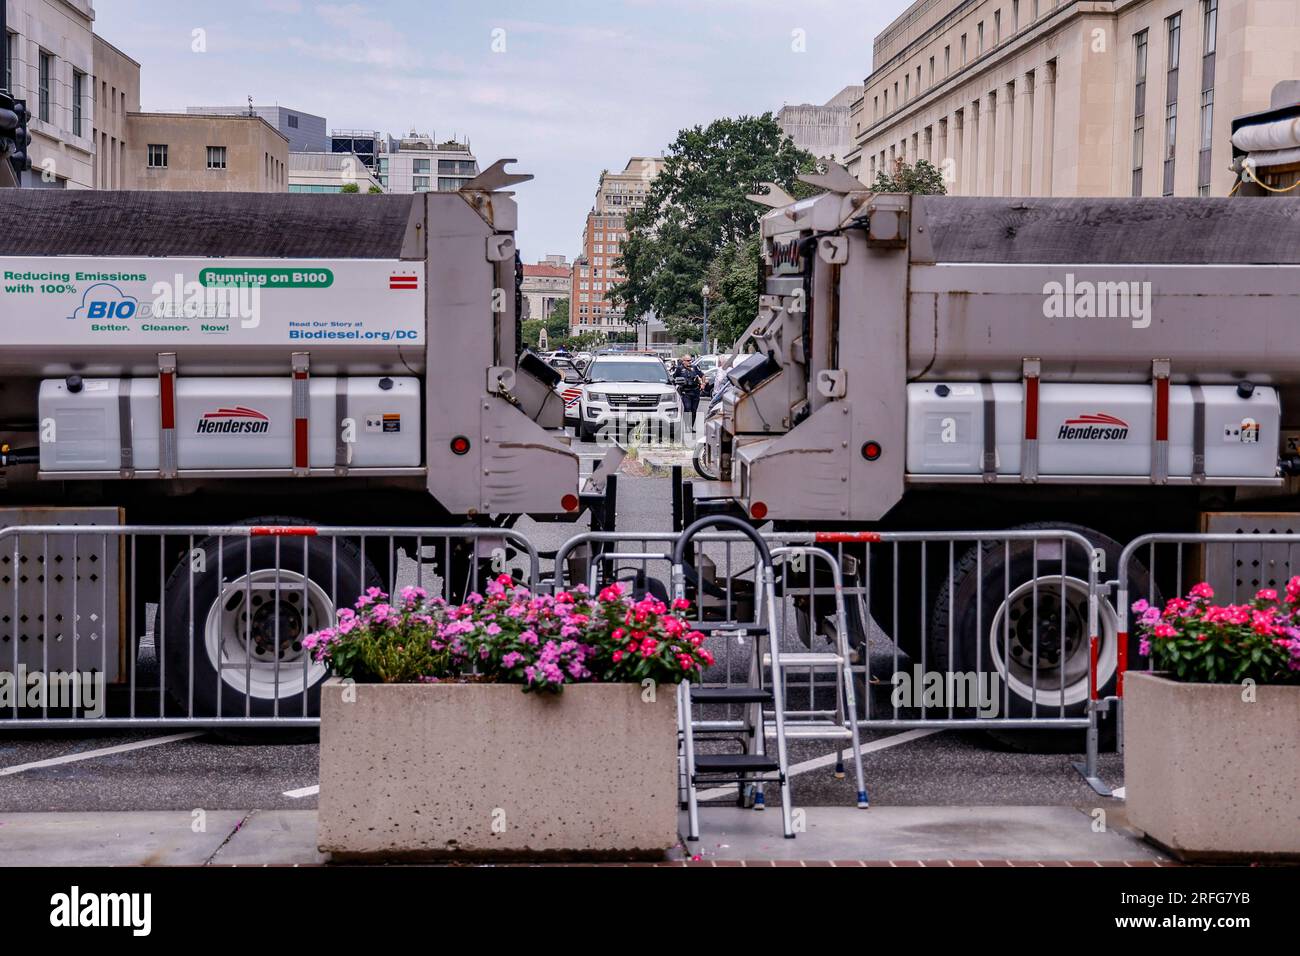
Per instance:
(167,770)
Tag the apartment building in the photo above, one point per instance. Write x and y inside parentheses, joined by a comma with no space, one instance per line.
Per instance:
(50,64)
(416,164)
(116,88)
(1072,97)
(184,151)
(595,272)
(546,285)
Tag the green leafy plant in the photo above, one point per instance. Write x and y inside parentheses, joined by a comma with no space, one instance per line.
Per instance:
(1194,640)
(390,643)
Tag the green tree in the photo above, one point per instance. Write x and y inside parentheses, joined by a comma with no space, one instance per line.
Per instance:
(350,188)
(733,289)
(696,208)
(923,179)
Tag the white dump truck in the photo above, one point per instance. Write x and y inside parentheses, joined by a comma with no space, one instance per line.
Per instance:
(962,364)
(207,359)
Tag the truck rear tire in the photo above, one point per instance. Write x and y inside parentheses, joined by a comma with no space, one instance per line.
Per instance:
(989,610)
(234,618)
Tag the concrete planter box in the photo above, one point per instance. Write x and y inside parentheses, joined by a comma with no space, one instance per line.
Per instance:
(457,771)
(1209,776)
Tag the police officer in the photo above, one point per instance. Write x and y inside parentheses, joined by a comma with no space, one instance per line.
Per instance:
(689,381)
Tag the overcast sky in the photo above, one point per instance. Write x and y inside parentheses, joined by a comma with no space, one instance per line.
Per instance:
(581,85)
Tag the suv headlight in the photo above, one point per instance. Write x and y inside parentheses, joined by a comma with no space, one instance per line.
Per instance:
(669,399)
(596,397)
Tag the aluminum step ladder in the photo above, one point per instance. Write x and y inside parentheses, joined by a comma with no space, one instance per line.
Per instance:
(839,723)
(759,700)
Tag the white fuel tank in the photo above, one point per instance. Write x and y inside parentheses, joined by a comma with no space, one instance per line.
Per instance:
(230,423)
(1101,430)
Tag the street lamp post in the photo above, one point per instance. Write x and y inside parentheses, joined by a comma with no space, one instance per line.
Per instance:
(705,348)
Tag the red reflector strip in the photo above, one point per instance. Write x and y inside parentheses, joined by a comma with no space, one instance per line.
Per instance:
(403,282)
(1121,662)
(167,399)
(1031,409)
(1162,409)
(1093,645)
(300,458)
(281,531)
(847,537)
(300,443)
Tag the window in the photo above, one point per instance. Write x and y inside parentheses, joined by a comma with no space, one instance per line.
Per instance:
(157,154)
(293,121)
(907,87)
(1174,32)
(875,108)
(78,101)
(947,60)
(216,157)
(1140,49)
(383,166)
(932,71)
(963,49)
(11,57)
(420,183)
(43,89)
(979,42)
(1015,16)
(420,166)
(997,27)
(1209,44)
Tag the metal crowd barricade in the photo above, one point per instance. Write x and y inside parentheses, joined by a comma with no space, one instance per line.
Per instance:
(1052,616)
(1236,565)
(223,608)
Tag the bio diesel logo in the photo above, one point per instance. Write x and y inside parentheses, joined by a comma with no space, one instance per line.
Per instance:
(1097,426)
(234,421)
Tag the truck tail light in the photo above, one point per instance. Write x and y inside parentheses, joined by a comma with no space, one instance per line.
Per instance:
(569,502)
(758,510)
(871,450)
(460,445)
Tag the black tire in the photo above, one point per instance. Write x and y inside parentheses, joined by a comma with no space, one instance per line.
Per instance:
(993,633)
(700,467)
(328,588)
(585,432)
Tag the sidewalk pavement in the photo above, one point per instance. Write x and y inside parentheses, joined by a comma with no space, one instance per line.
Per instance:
(898,836)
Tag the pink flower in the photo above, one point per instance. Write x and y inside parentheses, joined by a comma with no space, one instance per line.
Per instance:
(1166,630)
(1202,590)
(1266,594)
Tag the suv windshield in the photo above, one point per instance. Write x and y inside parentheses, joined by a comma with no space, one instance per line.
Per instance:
(602,371)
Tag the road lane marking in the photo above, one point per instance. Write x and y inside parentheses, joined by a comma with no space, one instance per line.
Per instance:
(102,752)
(830,759)
(303,792)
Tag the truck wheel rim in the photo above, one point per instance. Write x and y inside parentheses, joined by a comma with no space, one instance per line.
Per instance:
(1011,642)
(240,633)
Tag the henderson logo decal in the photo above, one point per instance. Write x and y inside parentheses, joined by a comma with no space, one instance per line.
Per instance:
(1095,427)
(234,421)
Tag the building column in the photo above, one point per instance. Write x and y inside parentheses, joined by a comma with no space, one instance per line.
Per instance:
(1049,128)
(1025,133)
(971,161)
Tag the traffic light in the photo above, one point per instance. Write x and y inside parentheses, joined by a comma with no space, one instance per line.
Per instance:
(14,136)
(20,158)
